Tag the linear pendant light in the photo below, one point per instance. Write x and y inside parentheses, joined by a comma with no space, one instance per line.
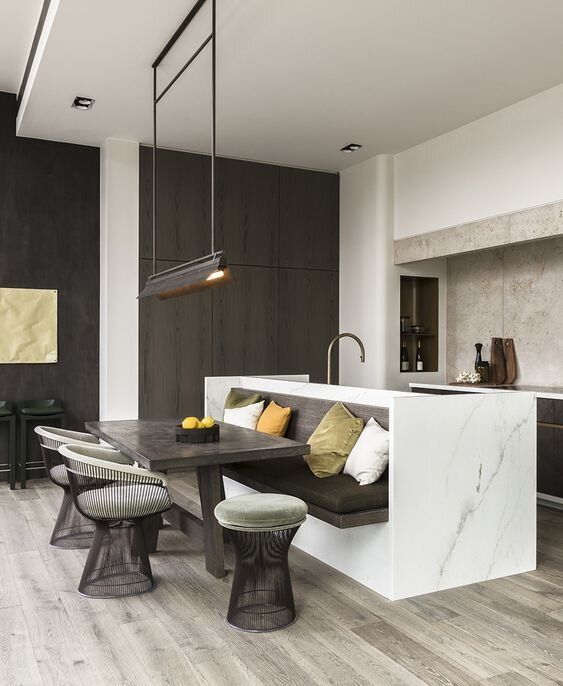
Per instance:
(211,270)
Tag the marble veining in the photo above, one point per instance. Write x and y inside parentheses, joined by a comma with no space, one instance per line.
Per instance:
(462,490)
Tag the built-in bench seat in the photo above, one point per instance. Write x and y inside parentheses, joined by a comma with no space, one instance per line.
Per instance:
(338,500)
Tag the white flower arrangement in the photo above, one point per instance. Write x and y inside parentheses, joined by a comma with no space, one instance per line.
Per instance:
(469,377)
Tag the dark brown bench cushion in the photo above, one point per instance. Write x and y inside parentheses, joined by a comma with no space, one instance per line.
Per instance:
(340,493)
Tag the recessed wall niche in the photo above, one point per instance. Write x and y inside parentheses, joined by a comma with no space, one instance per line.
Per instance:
(419,321)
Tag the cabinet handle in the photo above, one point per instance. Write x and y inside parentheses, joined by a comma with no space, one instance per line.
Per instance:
(549,425)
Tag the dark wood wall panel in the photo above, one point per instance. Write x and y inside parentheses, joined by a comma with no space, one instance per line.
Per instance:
(175,343)
(182,205)
(308,321)
(245,323)
(248,212)
(49,238)
(279,228)
(309,219)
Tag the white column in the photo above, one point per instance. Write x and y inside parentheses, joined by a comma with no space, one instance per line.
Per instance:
(119,279)
(366,258)
(370,282)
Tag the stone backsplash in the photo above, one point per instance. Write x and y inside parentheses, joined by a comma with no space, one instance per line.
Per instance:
(512,292)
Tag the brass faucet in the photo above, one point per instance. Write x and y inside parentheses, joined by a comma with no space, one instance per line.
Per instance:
(336,338)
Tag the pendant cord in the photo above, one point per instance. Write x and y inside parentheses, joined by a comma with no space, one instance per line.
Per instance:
(154,170)
(213,116)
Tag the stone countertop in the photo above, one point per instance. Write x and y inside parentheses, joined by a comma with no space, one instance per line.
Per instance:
(548,392)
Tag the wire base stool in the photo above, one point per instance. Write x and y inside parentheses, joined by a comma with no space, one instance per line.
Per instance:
(117,564)
(72,531)
(261,595)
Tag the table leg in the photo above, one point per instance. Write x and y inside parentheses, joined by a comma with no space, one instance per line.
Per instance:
(151,529)
(210,480)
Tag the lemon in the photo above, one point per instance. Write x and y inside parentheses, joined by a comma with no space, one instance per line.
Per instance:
(190,423)
(208,422)
(200,424)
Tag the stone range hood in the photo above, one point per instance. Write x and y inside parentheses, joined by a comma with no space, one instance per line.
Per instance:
(503,230)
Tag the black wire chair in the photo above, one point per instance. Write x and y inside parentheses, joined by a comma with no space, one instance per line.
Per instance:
(71,531)
(117,499)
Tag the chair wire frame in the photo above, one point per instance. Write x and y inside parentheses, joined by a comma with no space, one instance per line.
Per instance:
(117,501)
(261,595)
(72,530)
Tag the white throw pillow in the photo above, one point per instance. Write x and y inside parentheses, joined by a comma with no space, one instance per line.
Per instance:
(370,455)
(246,417)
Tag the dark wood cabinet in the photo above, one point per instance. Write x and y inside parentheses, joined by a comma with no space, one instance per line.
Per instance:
(245,323)
(309,219)
(279,228)
(308,322)
(247,207)
(550,447)
(175,353)
(183,197)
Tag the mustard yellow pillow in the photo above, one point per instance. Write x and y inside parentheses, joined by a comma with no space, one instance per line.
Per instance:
(274,420)
(332,441)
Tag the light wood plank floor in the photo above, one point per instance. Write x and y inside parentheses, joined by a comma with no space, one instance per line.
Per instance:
(500,633)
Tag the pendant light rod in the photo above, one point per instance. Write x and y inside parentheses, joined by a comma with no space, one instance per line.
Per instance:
(179,31)
(213,115)
(183,69)
(154,170)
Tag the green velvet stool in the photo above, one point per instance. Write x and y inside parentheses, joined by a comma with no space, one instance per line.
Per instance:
(35,412)
(261,527)
(7,415)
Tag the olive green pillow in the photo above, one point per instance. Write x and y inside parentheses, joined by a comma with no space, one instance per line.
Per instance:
(236,399)
(332,441)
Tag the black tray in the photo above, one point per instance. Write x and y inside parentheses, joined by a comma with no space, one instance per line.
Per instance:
(210,435)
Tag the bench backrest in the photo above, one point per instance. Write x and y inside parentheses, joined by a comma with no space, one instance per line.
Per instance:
(308,412)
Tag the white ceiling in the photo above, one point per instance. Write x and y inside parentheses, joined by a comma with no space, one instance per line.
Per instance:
(297,79)
(18,19)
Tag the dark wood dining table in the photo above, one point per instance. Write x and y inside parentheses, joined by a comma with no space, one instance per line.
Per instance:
(152,443)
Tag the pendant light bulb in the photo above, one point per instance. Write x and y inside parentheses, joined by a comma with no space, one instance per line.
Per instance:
(219,274)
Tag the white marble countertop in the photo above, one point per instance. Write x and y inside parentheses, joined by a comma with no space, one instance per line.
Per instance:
(540,391)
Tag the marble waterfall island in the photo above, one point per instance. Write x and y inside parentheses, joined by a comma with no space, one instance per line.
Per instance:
(462,488)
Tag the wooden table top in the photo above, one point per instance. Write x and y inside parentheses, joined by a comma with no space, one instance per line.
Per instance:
(152,443)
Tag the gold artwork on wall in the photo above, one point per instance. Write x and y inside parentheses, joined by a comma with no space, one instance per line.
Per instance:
(28,325)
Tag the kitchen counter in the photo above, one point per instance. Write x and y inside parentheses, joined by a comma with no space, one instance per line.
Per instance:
(551,393)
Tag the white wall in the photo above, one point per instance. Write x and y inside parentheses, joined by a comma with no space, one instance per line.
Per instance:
(507,161)
(119,279)
(370,283)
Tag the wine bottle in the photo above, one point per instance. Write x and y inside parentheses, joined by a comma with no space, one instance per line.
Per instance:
(478,358)
(419,362)
(405,366)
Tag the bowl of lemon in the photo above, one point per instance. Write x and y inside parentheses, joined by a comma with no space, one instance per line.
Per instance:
(194,430)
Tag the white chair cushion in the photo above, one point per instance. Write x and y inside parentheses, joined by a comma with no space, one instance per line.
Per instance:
(59,475)
(124,501)
(370,455)
(246,417)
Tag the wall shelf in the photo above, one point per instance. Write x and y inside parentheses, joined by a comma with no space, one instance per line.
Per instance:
(419,303)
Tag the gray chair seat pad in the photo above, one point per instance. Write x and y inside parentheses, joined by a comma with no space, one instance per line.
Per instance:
(41,411)
(261,512)
(124,501)
(59,475)
(340,493)
(4,412)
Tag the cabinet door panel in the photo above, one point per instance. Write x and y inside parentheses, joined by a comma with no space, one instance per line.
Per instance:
(309,221)
(175,352)
(308,322)
(247,206)
(245,323)
(545,459)
(546,410)
(183,220)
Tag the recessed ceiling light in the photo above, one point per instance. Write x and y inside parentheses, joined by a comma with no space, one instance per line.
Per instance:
(82,103)
(351,147)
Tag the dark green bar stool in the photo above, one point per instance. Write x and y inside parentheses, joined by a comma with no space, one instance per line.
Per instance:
(36,411)
(7,415)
